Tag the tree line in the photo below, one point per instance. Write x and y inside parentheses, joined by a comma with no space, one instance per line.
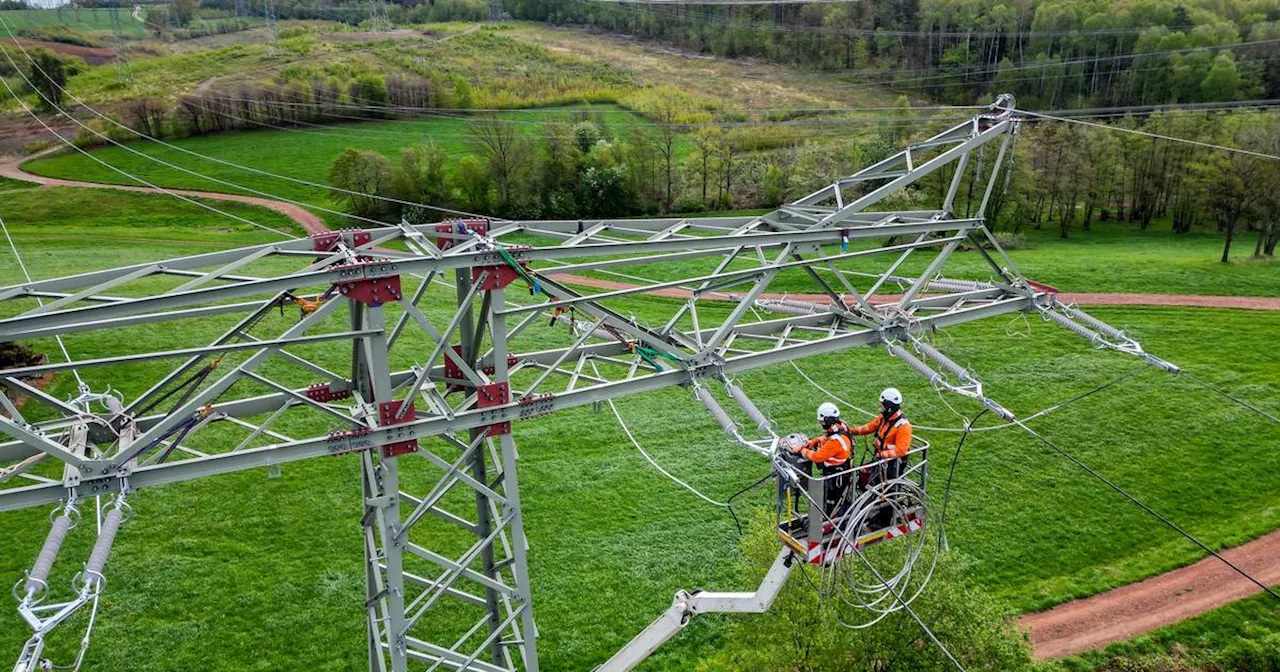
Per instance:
(587,168)
(246,107)
(1069,176)
(1061,176)
(1050,53)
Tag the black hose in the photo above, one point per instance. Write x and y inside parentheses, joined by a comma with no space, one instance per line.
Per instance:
(946,493)
(729,502)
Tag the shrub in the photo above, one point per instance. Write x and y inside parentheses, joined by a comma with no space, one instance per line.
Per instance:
(61,34)
(13,355)
(1252,655)
(368,174)
(800,633)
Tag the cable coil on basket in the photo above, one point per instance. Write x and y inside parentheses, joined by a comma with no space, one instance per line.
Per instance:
(848,578)
(846,582)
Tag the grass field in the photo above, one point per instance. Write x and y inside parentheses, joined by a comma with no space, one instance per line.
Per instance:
(303,153)
(1231,633)
(245,572)
(85,20)
(7,184)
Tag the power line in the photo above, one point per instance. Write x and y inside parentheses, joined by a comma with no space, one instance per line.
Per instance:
(1213,388)
(1160,136)
(1089,470)
(130,176)
(209,158)
(858,551)
(1016,33)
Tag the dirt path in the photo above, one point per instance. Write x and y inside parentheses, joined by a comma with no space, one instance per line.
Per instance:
(10,166)
(1162,600)
(1091,299)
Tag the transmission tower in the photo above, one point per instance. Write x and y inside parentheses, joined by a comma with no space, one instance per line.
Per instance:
(497,12)
(273,30)
(379,22)
(437,361)
(124,73)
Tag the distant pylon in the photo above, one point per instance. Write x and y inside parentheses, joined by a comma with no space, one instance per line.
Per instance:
(124,73)
(273,31)
(496,12)
(378,20)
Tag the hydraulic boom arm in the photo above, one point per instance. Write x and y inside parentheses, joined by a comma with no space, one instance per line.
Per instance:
(686,605)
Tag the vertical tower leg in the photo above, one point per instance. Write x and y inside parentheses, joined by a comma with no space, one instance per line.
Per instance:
(384,548)
(519,546)
(479,469)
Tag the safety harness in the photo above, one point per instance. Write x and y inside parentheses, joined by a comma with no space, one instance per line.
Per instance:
(886,426)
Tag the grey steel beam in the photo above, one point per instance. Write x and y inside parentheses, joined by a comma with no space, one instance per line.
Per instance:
(314,447)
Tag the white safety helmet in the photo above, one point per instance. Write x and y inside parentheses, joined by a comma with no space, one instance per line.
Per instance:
(892,396)
(828,411)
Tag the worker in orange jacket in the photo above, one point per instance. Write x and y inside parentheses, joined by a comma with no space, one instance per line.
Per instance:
(831,451)
(891,428)
(891,441)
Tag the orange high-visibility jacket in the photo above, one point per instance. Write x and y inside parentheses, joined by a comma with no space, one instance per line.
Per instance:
(892,438)
(833,448)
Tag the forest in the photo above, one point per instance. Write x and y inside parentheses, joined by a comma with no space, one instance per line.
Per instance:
(1050,53)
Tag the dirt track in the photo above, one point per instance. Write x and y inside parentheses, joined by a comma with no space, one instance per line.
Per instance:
(91,55)
(1162,600)
(10,166)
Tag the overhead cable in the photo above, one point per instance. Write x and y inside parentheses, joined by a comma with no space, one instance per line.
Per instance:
(179,196)
(1207,145)
(1139,503)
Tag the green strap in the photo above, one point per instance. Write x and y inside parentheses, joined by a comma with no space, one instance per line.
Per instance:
(511,261)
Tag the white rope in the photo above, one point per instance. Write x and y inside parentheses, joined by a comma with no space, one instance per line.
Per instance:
(626,430)
(27,274)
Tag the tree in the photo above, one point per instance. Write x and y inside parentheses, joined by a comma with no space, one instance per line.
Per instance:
(1233,184)
(586,134)
(369,91)
(1223,80)
(184,11)
(471,183)
(671,112)
(507,156)
(704,144)
(557,172)
(147,115)
(800,633)
(368,175)
(157,21)
(48,74)
(421,177)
